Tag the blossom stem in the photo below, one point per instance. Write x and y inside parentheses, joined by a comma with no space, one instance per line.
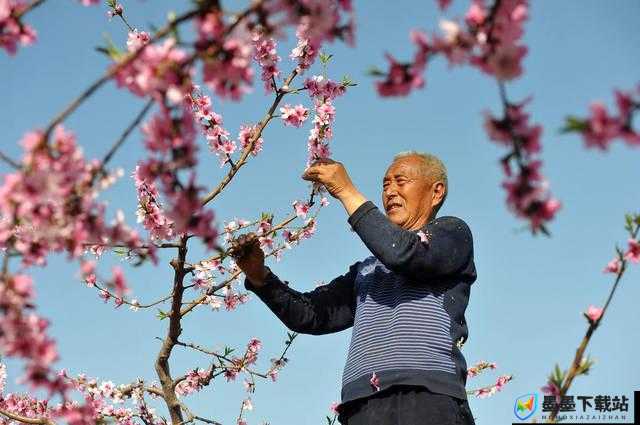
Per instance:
(9,161)
(29,8)
(25,419)
(249,147)
(126,132)
(575,366)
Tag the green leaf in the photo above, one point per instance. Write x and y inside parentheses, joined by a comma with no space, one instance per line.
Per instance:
(111,3)
(121,252)
(110,49)
(574,124)
(347,81)
(325,58)
(161,315)
(375,72)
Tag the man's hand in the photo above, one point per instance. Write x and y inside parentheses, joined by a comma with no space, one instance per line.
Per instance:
(332,175)
(248,255)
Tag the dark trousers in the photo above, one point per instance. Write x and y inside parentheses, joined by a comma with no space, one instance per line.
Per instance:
(406,405)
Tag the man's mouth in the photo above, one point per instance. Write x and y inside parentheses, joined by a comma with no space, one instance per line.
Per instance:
(392,206)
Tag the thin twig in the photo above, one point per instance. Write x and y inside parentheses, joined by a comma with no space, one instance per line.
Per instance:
(29,8)
(126,132)
(257,133)
(25,419)
(9,161)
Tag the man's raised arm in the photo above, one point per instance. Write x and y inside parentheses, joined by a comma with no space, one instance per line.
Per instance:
(326,309)
(447,249)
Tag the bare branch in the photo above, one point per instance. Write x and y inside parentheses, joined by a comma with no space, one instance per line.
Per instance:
(9,161)
(126,132)
(25,419)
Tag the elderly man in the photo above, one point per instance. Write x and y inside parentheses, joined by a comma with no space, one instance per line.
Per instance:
(406,302)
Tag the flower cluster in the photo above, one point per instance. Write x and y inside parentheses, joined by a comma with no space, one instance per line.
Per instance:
(322,91)
(267,57)
(492,389)
(601,127)
(49,204)
(294,115)
(479,367)
(527,193)
(23,334)
(228,71)
(170,139)
(149,211)
(194,381)
(276,366)
(211,123)
(12,30)
(107,399)
(316,21)
(244,136)
(160,71)
(402,78)
(490,41)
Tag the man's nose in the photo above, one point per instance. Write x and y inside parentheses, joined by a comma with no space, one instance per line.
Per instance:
(389,191)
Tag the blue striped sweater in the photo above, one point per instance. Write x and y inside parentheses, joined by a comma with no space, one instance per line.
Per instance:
(406,304)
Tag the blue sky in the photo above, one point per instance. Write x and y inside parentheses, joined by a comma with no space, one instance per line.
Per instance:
(525,307)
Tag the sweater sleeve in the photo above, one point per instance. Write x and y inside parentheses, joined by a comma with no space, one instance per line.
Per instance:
(448,248)
(326,309)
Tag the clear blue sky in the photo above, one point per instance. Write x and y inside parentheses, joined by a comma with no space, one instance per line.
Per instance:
(525,307)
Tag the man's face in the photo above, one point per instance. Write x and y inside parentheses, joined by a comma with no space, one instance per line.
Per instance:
(407,194)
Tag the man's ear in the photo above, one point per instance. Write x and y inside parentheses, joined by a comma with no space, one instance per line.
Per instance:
(438,193)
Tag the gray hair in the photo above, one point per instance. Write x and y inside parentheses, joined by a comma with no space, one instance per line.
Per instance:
(432,168)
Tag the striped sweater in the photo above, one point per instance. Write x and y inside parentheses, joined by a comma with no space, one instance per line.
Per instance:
(405,303)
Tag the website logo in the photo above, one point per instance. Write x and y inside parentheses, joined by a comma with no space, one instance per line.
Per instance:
(525,406)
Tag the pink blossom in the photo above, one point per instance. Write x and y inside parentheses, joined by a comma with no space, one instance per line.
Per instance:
(157,69)
(321,87)
(267,57)
(400,79)
(119,282)
(55,203)
(301,208)
(593,313)
(602,128)
(254,345)
(334,407)
(304,53)
(613,266)
(294,116)
(491,390)
(150,212)
(443,4)
(247,404)
(505,62)
(246,131)
(193,382)
(136,39)
(12,30)
(476,14)
(375,382)
(229,73)
(423,236)
(552,389)
(633,252)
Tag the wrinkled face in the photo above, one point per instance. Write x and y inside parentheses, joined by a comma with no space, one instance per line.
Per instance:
(407,195)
